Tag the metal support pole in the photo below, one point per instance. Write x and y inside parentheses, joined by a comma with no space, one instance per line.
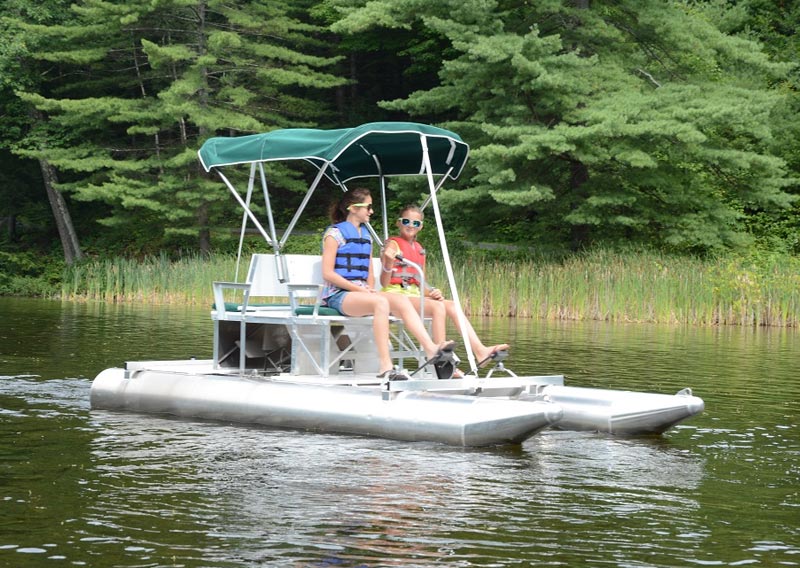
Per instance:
(462,320)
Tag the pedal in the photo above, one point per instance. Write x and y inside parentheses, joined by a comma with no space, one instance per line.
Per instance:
(445,358)
(497,356)
(446,367)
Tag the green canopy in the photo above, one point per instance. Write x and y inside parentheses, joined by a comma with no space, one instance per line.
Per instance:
(369,150)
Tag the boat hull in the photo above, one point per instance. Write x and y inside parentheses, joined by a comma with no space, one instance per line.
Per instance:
(618,412)
(412,416)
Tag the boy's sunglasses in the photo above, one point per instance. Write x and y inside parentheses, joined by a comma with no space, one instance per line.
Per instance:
(367,205)
(411,222)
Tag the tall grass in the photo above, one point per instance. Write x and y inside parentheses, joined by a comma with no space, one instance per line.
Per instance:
(155,279)
(596,285)
(633,287)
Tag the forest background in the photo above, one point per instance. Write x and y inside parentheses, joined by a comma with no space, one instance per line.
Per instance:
(617,147)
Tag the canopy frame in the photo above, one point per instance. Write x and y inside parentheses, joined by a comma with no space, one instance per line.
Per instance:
(375,150)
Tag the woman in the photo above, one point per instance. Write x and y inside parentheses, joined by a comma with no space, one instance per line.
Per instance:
(347,270)
(401,279)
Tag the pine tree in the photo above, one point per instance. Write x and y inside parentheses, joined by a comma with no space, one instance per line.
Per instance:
(138,86)
(630,122)
(21,188)
(775,25)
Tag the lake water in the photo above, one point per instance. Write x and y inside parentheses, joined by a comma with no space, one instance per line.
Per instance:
(101,489)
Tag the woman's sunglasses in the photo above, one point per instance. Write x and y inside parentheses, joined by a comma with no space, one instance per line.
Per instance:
(410,222)
(367,205)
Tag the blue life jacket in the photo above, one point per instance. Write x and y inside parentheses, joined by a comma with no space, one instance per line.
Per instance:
(353,258)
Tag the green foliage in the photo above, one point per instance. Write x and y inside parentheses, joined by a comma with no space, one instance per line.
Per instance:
(27,274)
(631,122)
(669,124)
(133,102)
(775,25)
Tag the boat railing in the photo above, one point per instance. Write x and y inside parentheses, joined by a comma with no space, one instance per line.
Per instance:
(321,338)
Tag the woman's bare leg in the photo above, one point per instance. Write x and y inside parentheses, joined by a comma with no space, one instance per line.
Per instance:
(376,305)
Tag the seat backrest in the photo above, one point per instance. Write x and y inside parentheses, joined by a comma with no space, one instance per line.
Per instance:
(263,277)
(304,268)
(298,269)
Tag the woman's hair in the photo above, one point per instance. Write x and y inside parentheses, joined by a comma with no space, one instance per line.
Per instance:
(412,207)
(338,210)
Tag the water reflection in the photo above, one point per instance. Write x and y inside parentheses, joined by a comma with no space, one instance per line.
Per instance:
(107,489)
(66,339)
(357,500)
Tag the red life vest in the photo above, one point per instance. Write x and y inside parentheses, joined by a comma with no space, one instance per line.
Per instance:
(402,273)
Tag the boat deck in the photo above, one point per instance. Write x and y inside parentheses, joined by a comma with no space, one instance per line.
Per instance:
(466,384)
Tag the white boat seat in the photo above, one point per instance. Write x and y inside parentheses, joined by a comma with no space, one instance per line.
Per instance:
(322,338)
(301,310)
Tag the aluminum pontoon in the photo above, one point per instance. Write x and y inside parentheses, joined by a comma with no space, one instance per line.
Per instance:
(289,362)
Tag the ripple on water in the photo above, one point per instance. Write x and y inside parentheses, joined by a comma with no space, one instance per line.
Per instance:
(147,490)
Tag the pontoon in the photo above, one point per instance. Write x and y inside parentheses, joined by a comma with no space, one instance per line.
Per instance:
(282,360)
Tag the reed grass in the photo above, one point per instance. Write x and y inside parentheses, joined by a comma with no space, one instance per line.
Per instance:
(754,290)
(633,287)
(155,279)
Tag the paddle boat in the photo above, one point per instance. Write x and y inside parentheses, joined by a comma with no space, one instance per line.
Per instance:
(281,359)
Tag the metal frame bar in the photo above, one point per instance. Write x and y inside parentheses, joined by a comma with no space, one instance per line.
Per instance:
(302,207)
(462,320)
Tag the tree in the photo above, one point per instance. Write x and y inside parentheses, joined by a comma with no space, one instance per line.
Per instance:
(381,64)
(18,74)
(137,87)
(629,122)
(775,25)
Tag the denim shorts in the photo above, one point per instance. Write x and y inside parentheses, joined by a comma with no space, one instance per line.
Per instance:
(335,301)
